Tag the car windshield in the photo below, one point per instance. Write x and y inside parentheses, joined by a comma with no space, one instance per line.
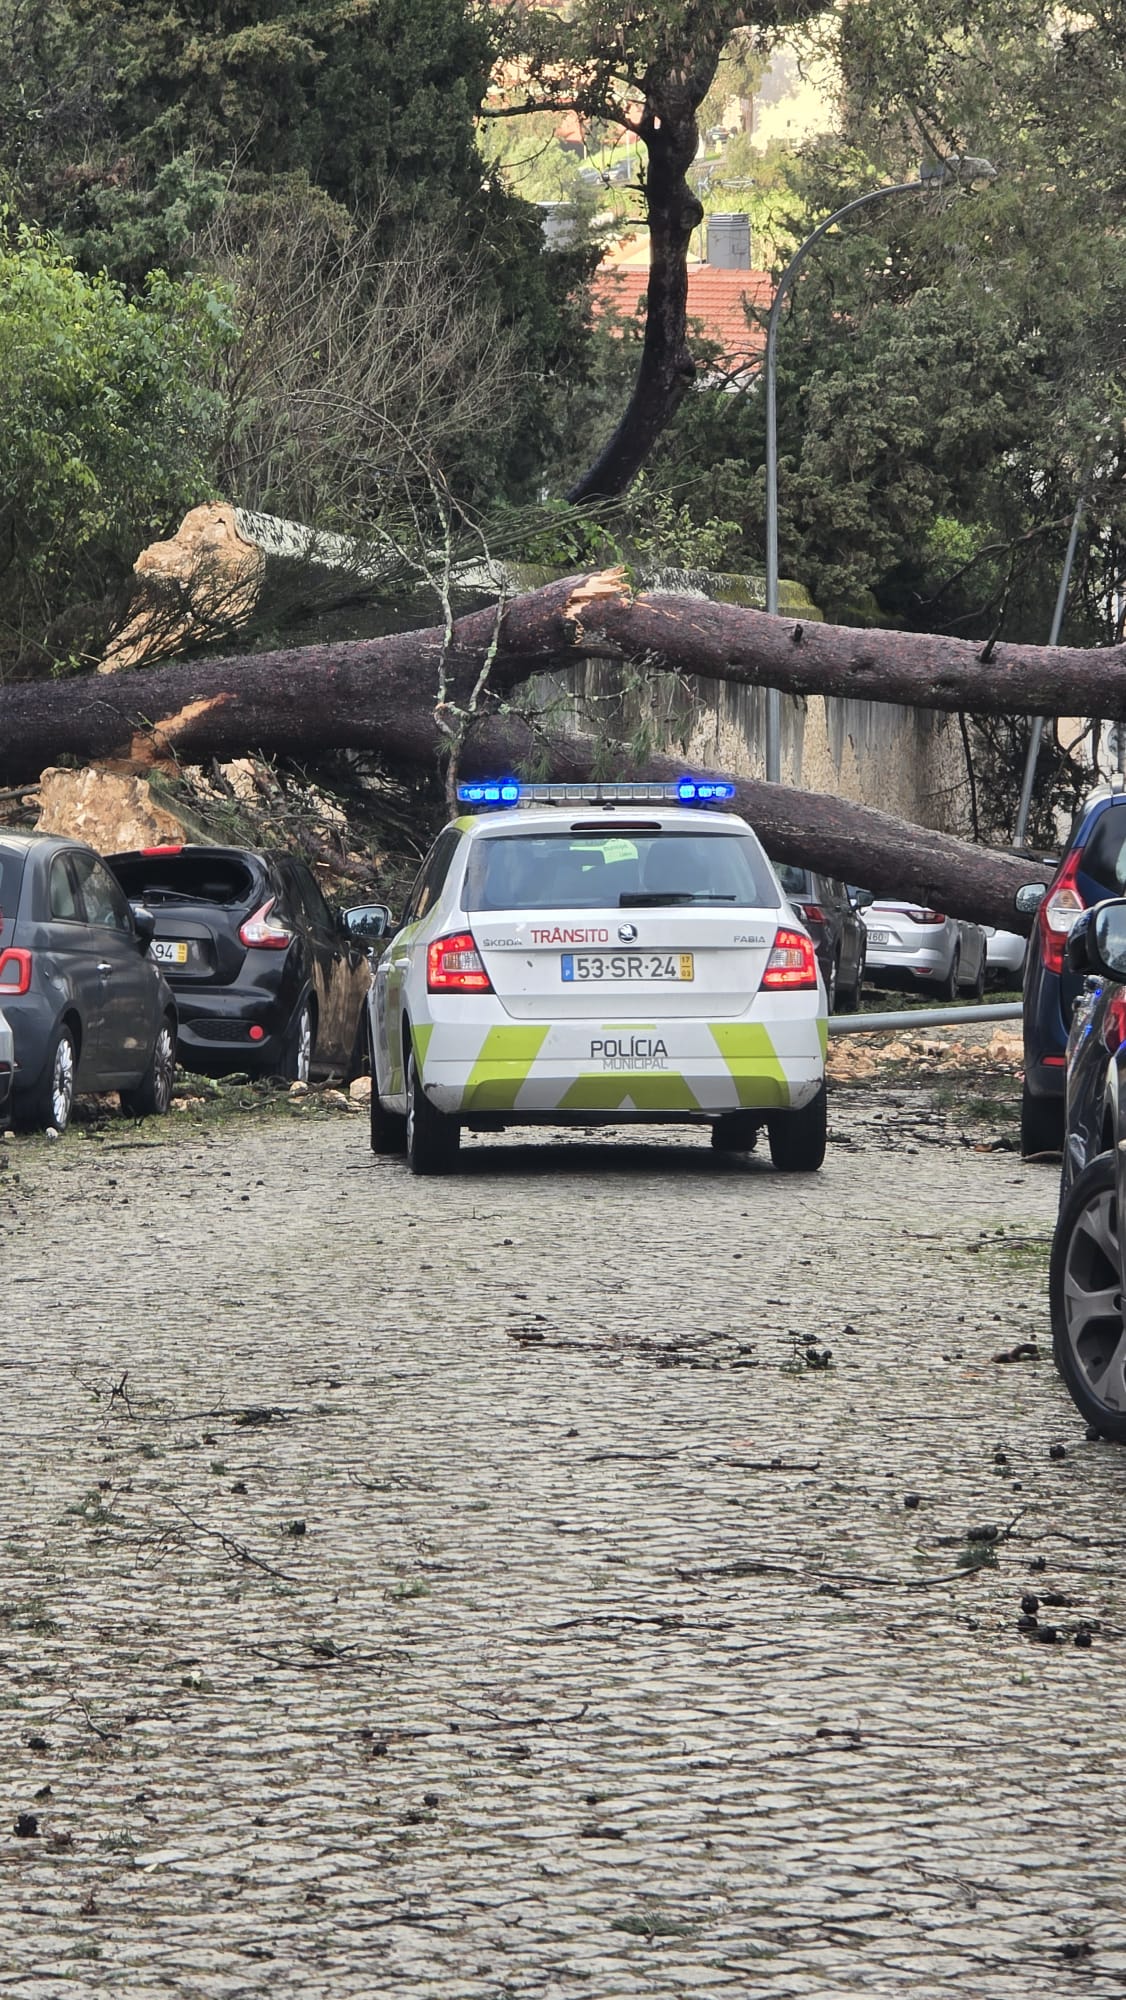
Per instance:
(184,878)
(577,870)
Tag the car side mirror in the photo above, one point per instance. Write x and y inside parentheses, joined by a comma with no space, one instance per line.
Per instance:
(144,923)
(861,899)
(1029,898)
(1101,940)
(367,923)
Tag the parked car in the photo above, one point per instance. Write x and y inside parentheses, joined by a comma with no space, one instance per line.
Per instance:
(834,922)
(1085,1272)
(910,944)
(1004,956)
(7,1068)
(88,1009)
(1094,1055)
(268,979)
(1092,868)
(637,964)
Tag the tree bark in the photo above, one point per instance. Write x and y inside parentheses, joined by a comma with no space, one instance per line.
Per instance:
(666,370)
(379,695)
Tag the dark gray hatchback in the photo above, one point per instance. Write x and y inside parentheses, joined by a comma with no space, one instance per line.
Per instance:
(88,1009)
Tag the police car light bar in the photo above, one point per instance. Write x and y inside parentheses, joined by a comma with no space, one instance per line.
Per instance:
(514,792)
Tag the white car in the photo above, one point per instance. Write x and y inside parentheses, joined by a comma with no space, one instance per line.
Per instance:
(1005,953)
(909,944)
(601,954)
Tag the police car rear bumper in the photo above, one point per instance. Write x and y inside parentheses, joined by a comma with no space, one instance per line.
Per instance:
(678,1069)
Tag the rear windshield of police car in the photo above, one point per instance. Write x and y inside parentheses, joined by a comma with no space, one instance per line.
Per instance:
(631,869)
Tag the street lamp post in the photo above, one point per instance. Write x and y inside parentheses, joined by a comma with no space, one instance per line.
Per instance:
(959,168)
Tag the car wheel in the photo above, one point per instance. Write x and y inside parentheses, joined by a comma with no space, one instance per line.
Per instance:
(388,1128)
(297,1057)
(797,1138)
(433,1140)
(734,1132)
(1085,1294)
(977,991)
(153,1094)
(50,1102)
(950,983)
(1041,1124)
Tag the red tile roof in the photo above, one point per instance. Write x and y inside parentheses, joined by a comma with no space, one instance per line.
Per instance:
(715,302)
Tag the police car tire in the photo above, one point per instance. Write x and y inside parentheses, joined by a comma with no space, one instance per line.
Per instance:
(734,1132)
(388,1128)
(798,1138)
(433,1140)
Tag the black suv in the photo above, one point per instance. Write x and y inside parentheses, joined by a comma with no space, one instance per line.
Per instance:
(88,1010)
(268,979)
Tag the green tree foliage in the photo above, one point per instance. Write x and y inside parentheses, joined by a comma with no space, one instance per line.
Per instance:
(951,365)
(105,439)
(138,130)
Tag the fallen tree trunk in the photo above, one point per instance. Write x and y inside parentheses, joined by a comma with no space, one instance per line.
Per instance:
(379,695)
(367,693)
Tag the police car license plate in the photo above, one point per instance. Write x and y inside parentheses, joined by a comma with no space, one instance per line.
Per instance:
(674,965)
(167,951)
(878,937)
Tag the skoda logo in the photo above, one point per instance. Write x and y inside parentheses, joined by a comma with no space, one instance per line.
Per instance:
(627,933)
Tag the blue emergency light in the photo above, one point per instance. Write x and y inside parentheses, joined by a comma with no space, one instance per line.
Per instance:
(491,792)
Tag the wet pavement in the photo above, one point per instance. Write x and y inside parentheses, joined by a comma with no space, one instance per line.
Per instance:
(598,1574)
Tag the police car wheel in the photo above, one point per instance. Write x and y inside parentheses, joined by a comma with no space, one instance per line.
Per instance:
(433,1139)
(735,1132)
(388,1128)
(797,1138)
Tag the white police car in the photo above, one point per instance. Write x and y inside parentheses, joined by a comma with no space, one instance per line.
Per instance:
(591,954)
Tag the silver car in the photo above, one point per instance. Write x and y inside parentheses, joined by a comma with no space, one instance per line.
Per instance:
(912,945)
(1004,956)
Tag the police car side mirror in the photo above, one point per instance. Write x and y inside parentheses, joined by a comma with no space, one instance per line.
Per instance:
(1100,937)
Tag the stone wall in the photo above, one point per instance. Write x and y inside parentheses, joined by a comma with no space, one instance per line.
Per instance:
(905,761)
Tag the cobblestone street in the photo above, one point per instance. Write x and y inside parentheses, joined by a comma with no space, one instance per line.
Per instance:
(556,1581)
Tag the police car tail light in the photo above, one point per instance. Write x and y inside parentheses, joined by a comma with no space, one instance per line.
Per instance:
(453,965)
(1057,913)
(265,931)
(791,963)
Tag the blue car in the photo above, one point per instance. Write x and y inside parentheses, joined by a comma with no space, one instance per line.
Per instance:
(1093,867)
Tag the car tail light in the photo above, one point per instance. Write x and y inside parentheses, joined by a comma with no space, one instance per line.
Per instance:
(1114,1022)
(15,972)
(918,916)
(453,965)
(1058,912)
(791,963)
(162,850)
(812,912)
(264,932)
